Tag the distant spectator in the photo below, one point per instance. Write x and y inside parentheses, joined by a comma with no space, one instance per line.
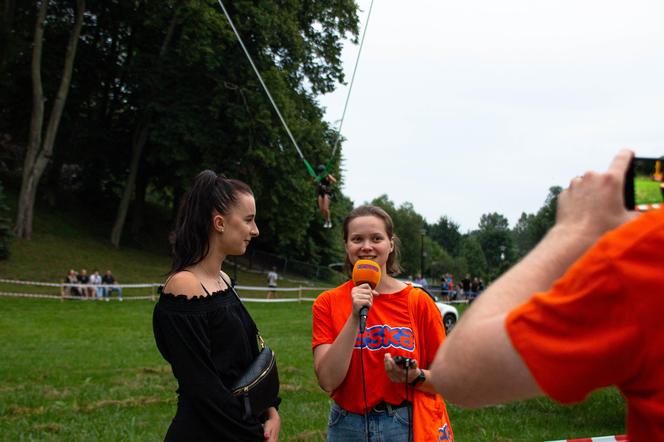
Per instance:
(84,278)
(421,281)
(72,278)
(474,289)
(272,278)
(108,279)
(444,293)
(95,279)
(465,285)
(452,294)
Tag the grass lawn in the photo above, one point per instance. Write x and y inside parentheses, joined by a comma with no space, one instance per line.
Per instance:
(83,371)
(647,191)
(80,371)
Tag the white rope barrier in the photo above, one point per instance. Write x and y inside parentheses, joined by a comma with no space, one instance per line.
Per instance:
(63,286)
(66,285)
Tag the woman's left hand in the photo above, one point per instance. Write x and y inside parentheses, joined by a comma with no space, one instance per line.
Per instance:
(398,374)
(272,425)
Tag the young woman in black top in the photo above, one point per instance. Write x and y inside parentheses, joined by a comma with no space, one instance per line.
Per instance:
(200,327)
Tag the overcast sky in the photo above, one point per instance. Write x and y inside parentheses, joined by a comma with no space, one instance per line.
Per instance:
(476,106)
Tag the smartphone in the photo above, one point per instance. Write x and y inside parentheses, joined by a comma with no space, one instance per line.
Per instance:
(644,184)
(403,362)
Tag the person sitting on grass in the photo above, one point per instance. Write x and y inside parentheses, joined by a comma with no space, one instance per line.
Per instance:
(582,311)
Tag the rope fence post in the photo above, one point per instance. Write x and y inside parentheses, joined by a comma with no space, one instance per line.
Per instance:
(299,294)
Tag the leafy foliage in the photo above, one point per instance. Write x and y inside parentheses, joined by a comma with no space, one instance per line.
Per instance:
(530,229)
(495,237)
(473,255)
(446,233)
(177,67)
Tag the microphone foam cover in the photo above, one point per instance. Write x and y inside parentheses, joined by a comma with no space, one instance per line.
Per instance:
(366,271)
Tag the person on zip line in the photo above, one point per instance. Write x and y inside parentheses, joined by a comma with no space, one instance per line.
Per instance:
(324,193)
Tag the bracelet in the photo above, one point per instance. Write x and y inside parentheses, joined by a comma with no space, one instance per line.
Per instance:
(419,379)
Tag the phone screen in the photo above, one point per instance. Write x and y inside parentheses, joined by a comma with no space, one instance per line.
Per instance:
(644,184)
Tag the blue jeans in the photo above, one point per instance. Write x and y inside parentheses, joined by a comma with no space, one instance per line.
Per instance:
(385,426)
(108,291)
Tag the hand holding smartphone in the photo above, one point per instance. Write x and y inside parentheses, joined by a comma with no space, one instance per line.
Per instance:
(644,184)
(404,362)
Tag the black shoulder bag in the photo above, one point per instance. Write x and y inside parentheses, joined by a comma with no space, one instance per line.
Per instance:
(258,387)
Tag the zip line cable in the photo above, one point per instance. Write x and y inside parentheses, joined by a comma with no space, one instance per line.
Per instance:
(276,108)
(251,61)
(350,88)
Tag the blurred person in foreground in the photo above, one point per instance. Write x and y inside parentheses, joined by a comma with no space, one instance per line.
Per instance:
(580,312)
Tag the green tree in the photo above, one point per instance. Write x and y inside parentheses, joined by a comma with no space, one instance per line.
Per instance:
(41,141)
(408,227)
(495,237)
(473,257)
(170,77)
(446,233)
(530,229)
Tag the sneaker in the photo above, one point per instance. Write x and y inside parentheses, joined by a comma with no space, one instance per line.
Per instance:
(329,224)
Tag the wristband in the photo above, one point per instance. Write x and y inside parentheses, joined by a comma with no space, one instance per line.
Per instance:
(419,379)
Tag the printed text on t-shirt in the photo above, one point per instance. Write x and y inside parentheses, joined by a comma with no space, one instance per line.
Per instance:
(384,336)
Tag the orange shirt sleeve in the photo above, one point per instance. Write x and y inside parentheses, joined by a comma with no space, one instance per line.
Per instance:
(431,329)
(322,327)
(580,335)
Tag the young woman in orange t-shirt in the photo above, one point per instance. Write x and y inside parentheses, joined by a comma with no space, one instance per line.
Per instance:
(370,392)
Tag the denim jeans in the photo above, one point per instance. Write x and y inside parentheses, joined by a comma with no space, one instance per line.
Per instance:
(385,426)
(108,291)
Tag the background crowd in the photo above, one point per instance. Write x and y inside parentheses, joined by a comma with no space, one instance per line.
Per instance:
(94,286)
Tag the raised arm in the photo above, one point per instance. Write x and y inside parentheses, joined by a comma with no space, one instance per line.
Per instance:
(331,361)
(477,364)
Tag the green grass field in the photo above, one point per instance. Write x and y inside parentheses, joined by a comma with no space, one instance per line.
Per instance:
(80,371)
(647,191)
(90,371)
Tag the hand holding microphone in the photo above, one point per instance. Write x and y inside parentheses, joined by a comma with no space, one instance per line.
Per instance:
(365,271)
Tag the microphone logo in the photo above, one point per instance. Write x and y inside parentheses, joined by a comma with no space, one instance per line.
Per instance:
(365,266)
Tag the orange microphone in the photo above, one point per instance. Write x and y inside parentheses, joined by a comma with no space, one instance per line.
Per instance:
(365,271)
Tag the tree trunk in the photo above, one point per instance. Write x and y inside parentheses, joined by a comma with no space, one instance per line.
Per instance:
(138,143)
(39,150)
(139,202)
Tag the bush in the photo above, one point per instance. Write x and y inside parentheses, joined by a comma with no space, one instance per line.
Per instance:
(5,226)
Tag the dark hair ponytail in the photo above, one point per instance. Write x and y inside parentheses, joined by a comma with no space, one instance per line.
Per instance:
(192,226)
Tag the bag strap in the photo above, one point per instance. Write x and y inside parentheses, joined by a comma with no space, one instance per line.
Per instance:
(261,342)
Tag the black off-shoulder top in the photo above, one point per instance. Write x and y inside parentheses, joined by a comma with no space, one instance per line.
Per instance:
(209,341)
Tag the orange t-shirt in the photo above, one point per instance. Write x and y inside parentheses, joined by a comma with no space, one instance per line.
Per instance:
(389,330)
(601,325)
